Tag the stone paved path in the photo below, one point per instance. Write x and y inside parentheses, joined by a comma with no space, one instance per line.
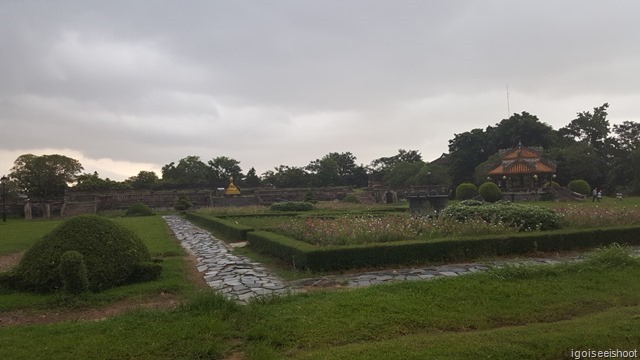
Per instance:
(237,277)
(241,279)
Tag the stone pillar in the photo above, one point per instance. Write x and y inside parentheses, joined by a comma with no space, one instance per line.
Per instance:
(47,210)
(27,210)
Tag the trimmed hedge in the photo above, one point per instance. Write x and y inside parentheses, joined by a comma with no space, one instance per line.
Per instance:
(73,272)
(331,258)
(228,228)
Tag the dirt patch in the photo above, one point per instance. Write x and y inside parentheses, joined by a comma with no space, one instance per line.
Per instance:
(31,317)
(7,261)
(155,301)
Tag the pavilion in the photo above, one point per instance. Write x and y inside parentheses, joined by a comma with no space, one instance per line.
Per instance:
(522,169)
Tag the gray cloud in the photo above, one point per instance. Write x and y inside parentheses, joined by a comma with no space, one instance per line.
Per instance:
(286,82)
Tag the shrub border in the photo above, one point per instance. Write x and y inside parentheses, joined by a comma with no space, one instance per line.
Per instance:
(303,255)
(222,226)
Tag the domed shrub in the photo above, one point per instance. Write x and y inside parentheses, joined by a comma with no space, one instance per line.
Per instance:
(490,192)
(466,191)
(73,272)
(552,184)
(139,209)
(352,199)
(580,186)
(113,255)
(182,204)
(291,206)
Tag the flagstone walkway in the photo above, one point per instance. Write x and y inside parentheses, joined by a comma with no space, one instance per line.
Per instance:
(242,279)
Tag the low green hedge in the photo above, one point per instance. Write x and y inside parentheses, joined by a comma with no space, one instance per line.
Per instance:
(225,227)
(303,255)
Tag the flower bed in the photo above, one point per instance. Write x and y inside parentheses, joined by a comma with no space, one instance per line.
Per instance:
(351,230)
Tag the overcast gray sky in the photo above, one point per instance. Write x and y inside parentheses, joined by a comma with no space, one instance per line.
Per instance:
(125,86)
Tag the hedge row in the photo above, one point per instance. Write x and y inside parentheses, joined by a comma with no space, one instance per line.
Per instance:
(225,227)
(303,255)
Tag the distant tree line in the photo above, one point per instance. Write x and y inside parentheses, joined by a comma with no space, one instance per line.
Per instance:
(588,148)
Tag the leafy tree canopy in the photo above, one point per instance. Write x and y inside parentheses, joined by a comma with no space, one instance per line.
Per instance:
(45,176)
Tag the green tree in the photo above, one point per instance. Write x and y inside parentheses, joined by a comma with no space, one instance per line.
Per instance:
(93,182)
(334,169)
(287,177)
(579,161)
(45,176)
(144,180)
(223,168)
(189,171)
(403,174)
(466,151)
(379,167)
(522,128)
(590,128)
(252,179)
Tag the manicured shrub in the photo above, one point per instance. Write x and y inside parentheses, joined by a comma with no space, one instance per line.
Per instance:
(310,197)
(526,217)
(291,206)
(73,273)
(490,192)
(552,184)
(139,209)
(580,186)
(182,204)
(352,199)
(146,271)
(466,191)
(111,252)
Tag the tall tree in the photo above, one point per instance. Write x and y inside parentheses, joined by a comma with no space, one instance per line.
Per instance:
(252,179)
(223,169)
(466,151)
(627,135)
(144,180)
(287,177)
(379,167)
(93,182)
(45,176)
(334,169)
(590,128)
(189,171)
(522,128)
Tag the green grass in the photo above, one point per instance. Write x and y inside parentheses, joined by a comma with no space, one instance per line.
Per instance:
(517,312)
(19,235)
(153,231)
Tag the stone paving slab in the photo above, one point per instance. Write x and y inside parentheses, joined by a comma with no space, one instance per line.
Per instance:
(238,278)
(242,279)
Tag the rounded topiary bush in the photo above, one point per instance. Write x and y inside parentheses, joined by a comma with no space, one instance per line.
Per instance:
(182,204)
(490,192)
(580,186)
(112,255)
(466,191)
(552,184)
(139,209)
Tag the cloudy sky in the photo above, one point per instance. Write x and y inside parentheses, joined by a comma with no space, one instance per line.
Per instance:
(125,86)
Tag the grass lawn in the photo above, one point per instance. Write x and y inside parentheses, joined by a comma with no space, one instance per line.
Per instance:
(509,313)
(520,312)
